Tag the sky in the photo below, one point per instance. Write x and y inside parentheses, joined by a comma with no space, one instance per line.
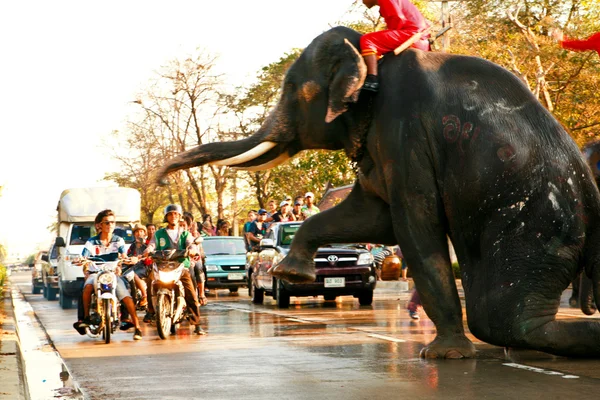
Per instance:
(70,69)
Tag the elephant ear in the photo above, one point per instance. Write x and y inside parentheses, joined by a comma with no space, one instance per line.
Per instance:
(348,75)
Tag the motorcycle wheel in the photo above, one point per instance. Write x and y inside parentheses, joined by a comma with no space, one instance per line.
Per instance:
(163,317)
(107,320)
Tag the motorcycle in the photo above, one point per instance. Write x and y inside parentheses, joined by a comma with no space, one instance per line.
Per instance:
(168,295)
(128,272)
(104,305)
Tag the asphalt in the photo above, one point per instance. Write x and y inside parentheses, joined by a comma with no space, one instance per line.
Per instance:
(13,382)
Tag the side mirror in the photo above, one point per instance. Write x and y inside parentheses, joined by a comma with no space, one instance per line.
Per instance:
(60,242)
(267,243)
(45,258)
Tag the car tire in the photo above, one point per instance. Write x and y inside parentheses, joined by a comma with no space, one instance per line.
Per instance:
(329,297)
(365,298)
(65,301)
(233,290)
(258,295)
(35,289)
(50,293)
(282,296)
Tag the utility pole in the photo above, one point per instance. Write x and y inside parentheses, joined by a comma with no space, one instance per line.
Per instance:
(446,21)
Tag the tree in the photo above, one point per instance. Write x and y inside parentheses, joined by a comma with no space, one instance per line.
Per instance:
(515,34)
(173,113)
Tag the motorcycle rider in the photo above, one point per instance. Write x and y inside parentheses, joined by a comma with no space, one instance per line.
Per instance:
(109,247)
(175,237)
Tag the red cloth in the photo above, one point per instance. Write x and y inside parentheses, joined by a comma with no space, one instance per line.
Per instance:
(403,20)
(591,43)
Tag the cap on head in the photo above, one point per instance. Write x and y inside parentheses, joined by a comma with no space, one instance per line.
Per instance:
(173,208)
(309,194)
(284,203)
(262,211)
(297,203)
(139,227)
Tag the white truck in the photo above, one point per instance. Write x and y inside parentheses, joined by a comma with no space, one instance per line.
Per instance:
(77,209)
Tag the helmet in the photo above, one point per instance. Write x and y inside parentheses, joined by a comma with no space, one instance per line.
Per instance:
(173,208)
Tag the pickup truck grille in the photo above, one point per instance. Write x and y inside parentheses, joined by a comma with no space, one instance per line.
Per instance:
(233,267)
(333,261)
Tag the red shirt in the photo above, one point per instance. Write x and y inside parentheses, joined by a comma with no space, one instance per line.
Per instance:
(402,14)
(591,43)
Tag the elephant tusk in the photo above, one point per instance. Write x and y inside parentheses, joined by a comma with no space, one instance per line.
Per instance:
(271,164)
(249,155)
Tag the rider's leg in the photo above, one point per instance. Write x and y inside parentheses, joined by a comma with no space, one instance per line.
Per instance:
(124,296)
(88,289)
(140,285)
(191,299)
(200,282)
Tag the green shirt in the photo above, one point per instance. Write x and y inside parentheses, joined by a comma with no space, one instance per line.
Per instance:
(163,242)
(309,212)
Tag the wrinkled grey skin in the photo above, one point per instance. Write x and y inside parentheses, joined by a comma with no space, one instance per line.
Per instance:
(450,146)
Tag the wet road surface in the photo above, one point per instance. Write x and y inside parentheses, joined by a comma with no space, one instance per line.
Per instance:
(313,350)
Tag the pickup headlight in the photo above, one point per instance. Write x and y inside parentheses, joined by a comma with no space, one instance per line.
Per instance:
(365,259)
(212,268)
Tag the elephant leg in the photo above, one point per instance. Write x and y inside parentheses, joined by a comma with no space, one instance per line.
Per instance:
(360,218)
(420,225)
(586,295)
(574,299)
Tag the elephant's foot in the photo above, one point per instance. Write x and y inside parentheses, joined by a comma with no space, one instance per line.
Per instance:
(457,346)
(294,271)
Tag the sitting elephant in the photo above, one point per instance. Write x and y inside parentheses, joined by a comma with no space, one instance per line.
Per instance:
(450,146)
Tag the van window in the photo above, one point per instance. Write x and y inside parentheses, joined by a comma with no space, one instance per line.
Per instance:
(81,233)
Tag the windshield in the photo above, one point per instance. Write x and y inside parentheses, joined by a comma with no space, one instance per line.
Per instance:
(287,233)
(80,233)
(222,247)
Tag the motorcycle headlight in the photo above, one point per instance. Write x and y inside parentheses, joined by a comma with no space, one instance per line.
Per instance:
(365,259)
(168,276)
(105,279)
(212,268)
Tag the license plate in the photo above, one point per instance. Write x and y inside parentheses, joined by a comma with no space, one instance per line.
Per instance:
(335,282)
(235,277)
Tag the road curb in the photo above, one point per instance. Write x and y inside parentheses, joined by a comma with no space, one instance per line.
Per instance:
(12,379)
(45,374)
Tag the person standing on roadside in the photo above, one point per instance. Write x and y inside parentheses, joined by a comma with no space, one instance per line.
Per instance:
(258,229)
(309,209)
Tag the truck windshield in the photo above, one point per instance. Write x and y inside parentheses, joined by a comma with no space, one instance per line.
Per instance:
(286,234)
(80,233)
(221,247)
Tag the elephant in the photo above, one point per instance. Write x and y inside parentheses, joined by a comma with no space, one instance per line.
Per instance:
(451,146)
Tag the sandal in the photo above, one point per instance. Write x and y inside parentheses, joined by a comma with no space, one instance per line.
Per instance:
(144,302)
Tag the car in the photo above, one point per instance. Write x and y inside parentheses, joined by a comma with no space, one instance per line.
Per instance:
(37,283)
(49,273)
(225,262)
(344,269)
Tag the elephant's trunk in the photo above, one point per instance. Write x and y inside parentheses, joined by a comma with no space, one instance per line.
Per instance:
(257,152)
(587,292)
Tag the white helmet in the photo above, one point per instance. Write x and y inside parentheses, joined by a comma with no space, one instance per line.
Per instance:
(173,208)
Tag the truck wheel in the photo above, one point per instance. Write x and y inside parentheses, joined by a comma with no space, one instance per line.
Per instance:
(365,298)
(283,297)
(45,291)
(50,293)
(66,302)
(35,289)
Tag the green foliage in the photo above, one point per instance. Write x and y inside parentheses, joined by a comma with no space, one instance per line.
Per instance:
(2,277)
(456,270)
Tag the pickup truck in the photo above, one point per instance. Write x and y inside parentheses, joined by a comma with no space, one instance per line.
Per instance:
(340,269)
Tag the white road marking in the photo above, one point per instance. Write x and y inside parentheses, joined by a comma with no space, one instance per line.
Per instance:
(540,370)
(388,338)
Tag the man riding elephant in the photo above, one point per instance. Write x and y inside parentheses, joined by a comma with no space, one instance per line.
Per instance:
(451,146)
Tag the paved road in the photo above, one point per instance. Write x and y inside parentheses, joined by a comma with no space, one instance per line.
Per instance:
(314,350)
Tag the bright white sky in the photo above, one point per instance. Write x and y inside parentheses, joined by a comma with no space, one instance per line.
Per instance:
(69,70)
